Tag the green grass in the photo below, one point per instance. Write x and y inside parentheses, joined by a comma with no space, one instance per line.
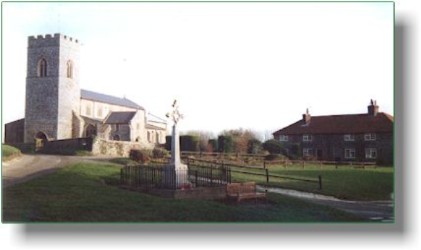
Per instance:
(344,183)
(9,152)
(77,193)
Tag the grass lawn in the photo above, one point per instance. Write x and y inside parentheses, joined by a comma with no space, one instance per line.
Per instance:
(9,152)
(344,183)
(77,193)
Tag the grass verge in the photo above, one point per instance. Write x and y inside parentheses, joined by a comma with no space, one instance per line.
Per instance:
(344,183)
(77,193)
(9,152)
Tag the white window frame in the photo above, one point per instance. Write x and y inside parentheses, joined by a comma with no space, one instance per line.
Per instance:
(283,138)
(369,137)
(349,153)
(349,137)
(369,153)
(307,138)
(307,152)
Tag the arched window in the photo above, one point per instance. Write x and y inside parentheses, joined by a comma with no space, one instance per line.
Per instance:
(69,69)
(42,68)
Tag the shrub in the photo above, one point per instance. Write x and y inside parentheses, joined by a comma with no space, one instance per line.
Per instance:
(142,156)
(225,144)
(159,153)
(253,146)
(273,146)
(189,143)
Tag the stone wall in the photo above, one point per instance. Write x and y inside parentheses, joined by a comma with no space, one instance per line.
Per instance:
(67,147)
(115,148)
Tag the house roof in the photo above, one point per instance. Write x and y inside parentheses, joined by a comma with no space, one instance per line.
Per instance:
(341,124)
(119,117)
(98,97)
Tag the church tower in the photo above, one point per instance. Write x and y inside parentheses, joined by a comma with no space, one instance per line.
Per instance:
(52,87)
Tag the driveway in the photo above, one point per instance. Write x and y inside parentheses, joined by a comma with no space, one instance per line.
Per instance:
(28,167)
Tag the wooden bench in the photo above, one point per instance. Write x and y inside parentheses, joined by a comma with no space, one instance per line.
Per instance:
(242,191)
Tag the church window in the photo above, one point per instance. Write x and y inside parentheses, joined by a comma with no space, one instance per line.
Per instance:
(99,112)
(42,68)
(88,111)
(149,136)
(69,69)
(157,138)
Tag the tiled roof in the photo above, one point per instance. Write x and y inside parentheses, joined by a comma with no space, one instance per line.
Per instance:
(120,117)
(98,97)
(341,124)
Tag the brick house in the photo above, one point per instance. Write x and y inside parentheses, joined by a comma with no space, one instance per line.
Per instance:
(350,137)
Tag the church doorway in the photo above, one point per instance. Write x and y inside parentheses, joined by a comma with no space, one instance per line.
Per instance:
(40,140)
(90,131)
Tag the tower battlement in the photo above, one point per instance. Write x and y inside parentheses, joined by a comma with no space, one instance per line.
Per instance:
(50,40)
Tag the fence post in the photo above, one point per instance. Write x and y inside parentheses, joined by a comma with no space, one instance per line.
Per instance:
(195,177)
(320,182)
(211,177)
(267,175)
(264,164)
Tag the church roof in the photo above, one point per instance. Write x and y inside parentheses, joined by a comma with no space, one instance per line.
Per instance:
(119,117)
(98,97)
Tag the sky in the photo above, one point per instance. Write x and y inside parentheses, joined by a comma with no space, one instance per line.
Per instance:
(255,66)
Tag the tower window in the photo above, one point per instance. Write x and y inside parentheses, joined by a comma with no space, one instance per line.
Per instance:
(42,68)
(69,69)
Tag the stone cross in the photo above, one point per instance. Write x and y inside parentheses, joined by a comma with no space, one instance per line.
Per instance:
(175,114)
(177,175)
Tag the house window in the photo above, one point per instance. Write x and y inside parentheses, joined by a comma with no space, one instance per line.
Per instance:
(283,138)
(307,137)
(349,137)
(370,137)
(370,153)
(42,68)
(307,152)
(350,153)
(69,69)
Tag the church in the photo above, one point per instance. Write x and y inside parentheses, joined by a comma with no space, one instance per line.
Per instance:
(57,109)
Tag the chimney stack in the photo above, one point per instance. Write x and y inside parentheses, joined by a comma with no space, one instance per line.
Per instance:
(306,117)
(373,108)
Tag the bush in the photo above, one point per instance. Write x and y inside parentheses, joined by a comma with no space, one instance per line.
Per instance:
(142,156)
(253,146)
(273,146)
(160,153)
(225,144)
(189,143)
